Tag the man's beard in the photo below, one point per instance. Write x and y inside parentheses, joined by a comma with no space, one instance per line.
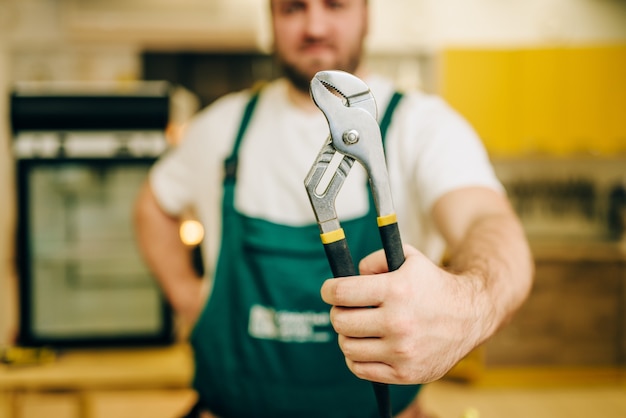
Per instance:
(301,79)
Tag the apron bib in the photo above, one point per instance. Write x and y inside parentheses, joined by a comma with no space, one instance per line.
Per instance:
(264,345)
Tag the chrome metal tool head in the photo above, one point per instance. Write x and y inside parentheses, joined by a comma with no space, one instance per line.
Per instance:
(350,109)
(327,86)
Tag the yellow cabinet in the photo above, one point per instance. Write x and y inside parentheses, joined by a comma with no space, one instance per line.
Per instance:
(556,101)
(479,84)
(536,103)
(594,98)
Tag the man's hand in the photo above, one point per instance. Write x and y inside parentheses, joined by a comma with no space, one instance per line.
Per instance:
(189,300)
(407,326)
(413,324)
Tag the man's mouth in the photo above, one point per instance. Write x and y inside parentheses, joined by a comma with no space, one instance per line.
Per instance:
(316,47)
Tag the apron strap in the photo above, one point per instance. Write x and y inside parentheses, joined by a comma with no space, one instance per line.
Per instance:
(386,119)
(230,164)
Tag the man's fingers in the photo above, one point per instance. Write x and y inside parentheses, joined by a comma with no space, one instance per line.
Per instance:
(370,359)
(355,291)
(372,371)
(376,262)
(372,287)
(363,349)
(357,322)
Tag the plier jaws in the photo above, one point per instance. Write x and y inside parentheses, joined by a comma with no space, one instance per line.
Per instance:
(350,109)
(327,85)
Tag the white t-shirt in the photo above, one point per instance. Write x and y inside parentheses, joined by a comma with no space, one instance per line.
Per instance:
(430,151)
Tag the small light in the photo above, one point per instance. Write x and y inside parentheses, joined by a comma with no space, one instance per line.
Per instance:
(191,232)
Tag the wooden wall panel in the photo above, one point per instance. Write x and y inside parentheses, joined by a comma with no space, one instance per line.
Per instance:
(573,317)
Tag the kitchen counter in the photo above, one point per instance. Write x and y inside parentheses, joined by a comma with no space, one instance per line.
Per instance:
(105,368)
(101,383)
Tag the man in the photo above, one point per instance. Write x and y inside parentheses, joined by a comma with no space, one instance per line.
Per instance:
(263,344)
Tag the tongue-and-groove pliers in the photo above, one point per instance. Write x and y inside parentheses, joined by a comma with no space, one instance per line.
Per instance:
(350,109)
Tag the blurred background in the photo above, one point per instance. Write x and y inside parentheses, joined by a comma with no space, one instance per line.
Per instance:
(542,81)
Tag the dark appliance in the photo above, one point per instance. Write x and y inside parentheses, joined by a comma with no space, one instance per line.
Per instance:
(82,150)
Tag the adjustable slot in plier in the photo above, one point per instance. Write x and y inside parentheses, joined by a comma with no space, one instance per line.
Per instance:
(350,109)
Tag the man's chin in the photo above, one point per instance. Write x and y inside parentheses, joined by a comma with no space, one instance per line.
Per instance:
(299,80)
(301,77)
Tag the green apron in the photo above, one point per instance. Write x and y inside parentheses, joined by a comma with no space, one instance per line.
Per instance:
(264,345)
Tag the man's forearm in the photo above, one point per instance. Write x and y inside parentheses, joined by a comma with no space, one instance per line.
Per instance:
(165,254)
(496,255)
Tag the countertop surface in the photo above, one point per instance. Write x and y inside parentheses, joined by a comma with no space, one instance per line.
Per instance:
(159,367)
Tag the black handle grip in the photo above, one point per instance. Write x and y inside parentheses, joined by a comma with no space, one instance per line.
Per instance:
(341,265)
(339,258)
(394,253)
(392,243)
(383,399)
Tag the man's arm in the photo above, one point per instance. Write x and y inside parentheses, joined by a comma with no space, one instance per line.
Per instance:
(166,256)
(486,240)
(414,324)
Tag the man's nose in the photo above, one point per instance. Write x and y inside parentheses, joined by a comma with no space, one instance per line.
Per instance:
(316,22)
